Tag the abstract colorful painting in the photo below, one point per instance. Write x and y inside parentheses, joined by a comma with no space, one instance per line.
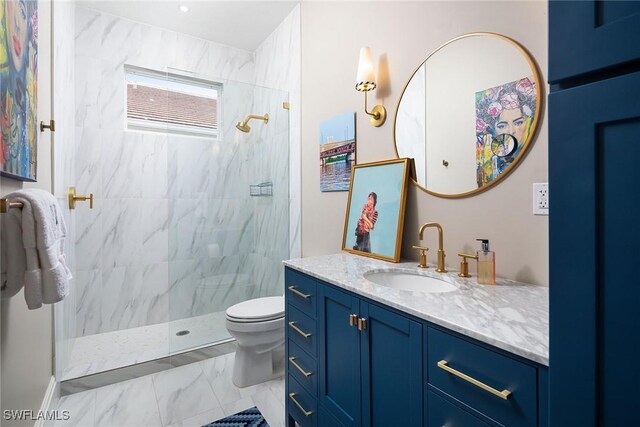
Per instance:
(18,88)
(504,115)
(337,152)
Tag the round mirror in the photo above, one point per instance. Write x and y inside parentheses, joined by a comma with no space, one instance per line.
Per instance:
(469,113)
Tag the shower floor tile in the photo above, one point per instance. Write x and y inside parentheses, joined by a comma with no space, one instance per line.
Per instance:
(111,350)
(190,395)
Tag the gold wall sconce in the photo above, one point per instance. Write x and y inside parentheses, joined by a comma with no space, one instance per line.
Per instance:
(365,81)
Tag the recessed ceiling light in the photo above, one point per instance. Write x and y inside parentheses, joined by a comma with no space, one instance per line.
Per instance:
(184,8)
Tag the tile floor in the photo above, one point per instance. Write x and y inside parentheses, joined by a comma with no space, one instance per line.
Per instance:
(110,350)
(190,395)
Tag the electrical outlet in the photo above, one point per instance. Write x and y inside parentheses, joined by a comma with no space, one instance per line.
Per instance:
(541,198)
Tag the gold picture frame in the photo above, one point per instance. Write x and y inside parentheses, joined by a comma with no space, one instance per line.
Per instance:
(375,229)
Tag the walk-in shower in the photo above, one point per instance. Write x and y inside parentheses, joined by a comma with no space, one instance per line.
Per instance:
(177,234)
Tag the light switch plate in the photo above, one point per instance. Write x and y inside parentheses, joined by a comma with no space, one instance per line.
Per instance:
(541,198)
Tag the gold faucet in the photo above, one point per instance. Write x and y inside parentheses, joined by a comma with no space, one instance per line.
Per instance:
(441,254)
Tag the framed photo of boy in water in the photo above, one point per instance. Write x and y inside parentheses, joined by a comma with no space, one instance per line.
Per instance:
(375,210)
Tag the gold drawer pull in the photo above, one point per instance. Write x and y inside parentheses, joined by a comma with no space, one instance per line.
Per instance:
(306,413)
(297,292)
(298,367)
(504,394)
(298,330)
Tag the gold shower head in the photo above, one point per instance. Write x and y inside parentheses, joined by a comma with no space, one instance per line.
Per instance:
(244,127)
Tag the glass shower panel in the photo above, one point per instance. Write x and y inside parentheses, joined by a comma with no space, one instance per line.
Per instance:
(228,212)
(118,305)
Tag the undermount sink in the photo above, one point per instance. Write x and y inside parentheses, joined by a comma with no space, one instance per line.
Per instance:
(409,281)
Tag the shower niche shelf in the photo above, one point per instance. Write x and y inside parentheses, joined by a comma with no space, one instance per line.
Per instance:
(264,189)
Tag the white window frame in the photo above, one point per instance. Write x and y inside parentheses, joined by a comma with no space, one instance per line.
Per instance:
(157,126)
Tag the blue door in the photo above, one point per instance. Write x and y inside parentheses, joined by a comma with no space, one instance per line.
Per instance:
(339,356)
(391,368)
(590,36)
(594,150)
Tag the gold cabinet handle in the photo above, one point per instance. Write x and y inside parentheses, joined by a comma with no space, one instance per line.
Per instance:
(504,394)
(298,330)
(306,413)
(298,367)
(297,292)
(73,198)
(362,324)
(353,319)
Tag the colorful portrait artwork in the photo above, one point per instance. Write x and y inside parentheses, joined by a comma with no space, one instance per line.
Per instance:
(18,88)
(504,118)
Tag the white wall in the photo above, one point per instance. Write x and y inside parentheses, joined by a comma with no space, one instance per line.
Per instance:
(26,350)
(407,32)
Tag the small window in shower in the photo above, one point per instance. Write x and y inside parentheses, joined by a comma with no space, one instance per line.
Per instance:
(166,102)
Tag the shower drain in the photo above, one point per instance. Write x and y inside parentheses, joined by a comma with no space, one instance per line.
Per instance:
(181,333)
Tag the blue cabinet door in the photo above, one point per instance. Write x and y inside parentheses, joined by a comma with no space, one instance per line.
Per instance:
(594,147)
(339,356)
(391,369)
(589,36)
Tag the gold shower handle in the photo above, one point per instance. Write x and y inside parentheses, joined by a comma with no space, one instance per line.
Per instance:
(73,198)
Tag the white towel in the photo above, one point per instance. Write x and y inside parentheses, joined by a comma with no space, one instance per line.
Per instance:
(33,249)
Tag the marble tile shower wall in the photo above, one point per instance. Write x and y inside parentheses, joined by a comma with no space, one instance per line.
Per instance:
(277,65)
(270,149)
(171,234)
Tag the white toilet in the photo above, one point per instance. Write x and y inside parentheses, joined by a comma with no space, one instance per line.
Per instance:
(258,326)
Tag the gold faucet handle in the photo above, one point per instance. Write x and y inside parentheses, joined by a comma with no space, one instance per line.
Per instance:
(423,256)
(464,265)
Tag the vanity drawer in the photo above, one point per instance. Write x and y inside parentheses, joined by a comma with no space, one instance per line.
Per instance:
(455,364)
(301,405)
(301,329)
(300,290)
(303,367)
(440,412)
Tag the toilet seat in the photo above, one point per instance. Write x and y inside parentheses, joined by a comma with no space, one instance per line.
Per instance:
(256,310)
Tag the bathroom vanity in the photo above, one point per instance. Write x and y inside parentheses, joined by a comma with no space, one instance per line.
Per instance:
(366,354)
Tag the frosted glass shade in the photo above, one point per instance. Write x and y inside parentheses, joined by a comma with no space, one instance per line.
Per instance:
(365,80)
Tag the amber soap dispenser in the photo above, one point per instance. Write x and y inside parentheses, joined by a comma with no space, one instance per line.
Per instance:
(486,264)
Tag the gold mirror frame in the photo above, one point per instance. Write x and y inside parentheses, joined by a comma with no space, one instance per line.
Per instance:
(534,125)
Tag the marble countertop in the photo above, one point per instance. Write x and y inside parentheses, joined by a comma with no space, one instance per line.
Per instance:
(510,315)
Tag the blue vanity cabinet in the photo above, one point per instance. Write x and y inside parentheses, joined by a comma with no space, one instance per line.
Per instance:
(589,36)
(370,362)
(339,356)
(594,122)
(391,368)
(594,324)
(484,381)
(301,387)
(375,366)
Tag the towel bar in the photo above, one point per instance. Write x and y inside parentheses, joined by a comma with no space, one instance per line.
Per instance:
(5,204)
